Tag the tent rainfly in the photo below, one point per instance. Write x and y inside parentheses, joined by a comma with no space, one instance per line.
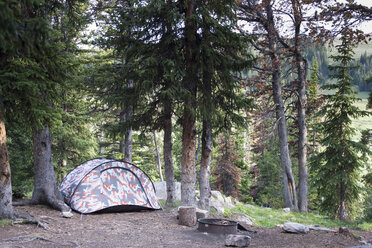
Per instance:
(108,185)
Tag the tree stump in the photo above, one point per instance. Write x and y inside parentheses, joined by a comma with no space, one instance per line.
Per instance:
(187,215)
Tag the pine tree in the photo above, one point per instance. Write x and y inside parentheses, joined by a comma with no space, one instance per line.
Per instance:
(337,167)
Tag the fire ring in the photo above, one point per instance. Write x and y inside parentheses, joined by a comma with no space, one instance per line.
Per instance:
(218,226)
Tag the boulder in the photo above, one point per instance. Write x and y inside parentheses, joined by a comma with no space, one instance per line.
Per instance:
(242,218)
(161,190)
(292,227)
(237,240)
(217,196)
(228,202)
(319,228)
(201,213)
(216,205)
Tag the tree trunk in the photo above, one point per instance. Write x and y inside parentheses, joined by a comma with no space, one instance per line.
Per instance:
(204,174)
(125,116)
(207,144)
(302,138)
(301,111)
(197,152)
(188,176)
(45,183)
(342,210)
(167,153)
(158,157)
(187,216)
(288,179)
(6,208)
(101,149)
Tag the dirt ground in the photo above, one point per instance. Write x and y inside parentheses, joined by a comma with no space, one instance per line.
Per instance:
(147,229)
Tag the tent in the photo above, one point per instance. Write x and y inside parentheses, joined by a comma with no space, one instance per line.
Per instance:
(108,185)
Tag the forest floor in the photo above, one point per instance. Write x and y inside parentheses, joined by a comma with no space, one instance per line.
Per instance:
(147,229)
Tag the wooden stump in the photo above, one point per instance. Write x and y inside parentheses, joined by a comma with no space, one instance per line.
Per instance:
(187,215)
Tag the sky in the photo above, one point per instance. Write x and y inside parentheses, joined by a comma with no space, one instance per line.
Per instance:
(367,26)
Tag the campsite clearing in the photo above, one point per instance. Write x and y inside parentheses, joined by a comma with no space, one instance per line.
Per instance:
(146,229)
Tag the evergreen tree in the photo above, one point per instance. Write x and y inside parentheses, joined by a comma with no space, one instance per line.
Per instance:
(20,33)
(337,167)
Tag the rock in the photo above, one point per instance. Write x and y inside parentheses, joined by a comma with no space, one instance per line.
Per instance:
(293,218)
(249,205)
(228,203)
(318,228)
(217,195)
(292,227)
(217,205)
(286,210)
(242,218)
(200,213)
(237,240)
(67,214)
(161,190)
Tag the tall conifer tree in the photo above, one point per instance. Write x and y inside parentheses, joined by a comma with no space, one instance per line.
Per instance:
(337,167)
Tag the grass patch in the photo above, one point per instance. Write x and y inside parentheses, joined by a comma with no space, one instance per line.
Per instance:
(4,222)
(176,204)
(267,217)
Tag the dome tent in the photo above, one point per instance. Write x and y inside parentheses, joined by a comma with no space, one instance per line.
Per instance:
(108,185)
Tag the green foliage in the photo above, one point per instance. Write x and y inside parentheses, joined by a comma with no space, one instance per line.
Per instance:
(4,222)
(269,183)
(19,145)
(341,156)
(267,217)
(226,173)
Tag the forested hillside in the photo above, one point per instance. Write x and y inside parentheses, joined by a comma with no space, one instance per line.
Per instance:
(221,95)
(362,56)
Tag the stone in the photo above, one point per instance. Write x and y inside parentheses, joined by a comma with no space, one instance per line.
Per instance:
(286,210)
(228,202)
(201,213)
(242,218)
(161,190)
(293,227)
(318,228)
(216,205)
(237,240)
(67,214)
(217,195)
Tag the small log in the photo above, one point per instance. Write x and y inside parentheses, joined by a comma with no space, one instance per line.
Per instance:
(187,215)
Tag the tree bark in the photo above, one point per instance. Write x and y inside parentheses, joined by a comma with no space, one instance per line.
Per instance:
(167,153)
(158,159)
(342,209)
(125,116)
(288,179)
(301,66)
(188,176)
(207,144)
(204,174)
(45,183)
(6,208)
(187,215)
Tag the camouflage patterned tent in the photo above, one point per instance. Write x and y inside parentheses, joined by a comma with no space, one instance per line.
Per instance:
(108,185)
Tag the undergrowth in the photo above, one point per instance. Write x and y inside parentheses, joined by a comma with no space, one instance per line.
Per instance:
(4,222)
(267,217)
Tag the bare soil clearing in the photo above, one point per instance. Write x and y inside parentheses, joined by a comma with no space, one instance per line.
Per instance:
(147,229)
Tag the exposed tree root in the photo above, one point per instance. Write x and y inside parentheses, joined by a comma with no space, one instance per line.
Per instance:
(29,238)
(57,204)
(25,218)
